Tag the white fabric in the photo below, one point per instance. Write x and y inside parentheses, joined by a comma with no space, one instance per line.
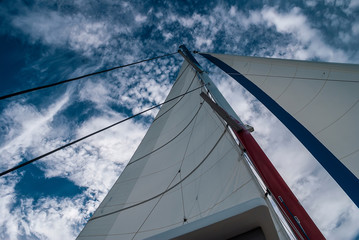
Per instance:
(323,97)
(214,172)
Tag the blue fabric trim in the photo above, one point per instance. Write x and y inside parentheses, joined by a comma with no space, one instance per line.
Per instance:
(342,175)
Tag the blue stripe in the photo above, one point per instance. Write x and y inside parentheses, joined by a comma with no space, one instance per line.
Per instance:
(342,175)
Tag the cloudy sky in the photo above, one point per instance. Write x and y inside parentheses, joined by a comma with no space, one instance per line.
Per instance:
(43,42)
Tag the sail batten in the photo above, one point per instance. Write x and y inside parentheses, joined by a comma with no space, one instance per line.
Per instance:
(322,113)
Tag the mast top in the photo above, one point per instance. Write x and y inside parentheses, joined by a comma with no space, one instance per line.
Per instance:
(190,59)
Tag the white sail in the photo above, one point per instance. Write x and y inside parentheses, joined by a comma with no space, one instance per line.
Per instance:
(322,97)
(187,169)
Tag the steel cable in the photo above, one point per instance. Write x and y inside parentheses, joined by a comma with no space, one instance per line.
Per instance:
(80,77)
(94,133)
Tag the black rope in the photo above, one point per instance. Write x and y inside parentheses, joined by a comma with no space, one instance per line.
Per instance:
(89,135)
(77,78)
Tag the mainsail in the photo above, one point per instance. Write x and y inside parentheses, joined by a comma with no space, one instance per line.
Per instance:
(189,178)
(187,169)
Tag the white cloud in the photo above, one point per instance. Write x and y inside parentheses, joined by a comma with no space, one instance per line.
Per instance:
(167,36)
(355,28)
(354,4)
(96,92)
(102,158)
(53,28)
(32,126)
(202,43)
(306,41)
(48,218)
(8,222)
(309,41)
(289,22)
(186,22)
(95,164)
(54,218)
(140,18)
(81,31)
(233,11)
(311,3)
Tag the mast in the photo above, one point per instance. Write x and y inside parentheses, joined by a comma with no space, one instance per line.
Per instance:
(304,226)
(215,93)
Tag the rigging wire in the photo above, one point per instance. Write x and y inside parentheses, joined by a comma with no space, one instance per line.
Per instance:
(80,77)
(94,133)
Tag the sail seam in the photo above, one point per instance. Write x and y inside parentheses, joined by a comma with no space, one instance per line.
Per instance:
(235,147)
(184,156)
(169,140)
(289,84)
(297,78)
(315,96)
(338,118)
(199,214)
(267,75)
(167,190)
(349,154)
(208,209)
(158,200)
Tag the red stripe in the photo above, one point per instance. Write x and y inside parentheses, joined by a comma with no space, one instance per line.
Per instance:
(278,187)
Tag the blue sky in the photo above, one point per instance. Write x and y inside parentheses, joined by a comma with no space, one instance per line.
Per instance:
(47,41)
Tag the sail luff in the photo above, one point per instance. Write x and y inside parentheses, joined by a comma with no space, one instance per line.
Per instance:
(344,177)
